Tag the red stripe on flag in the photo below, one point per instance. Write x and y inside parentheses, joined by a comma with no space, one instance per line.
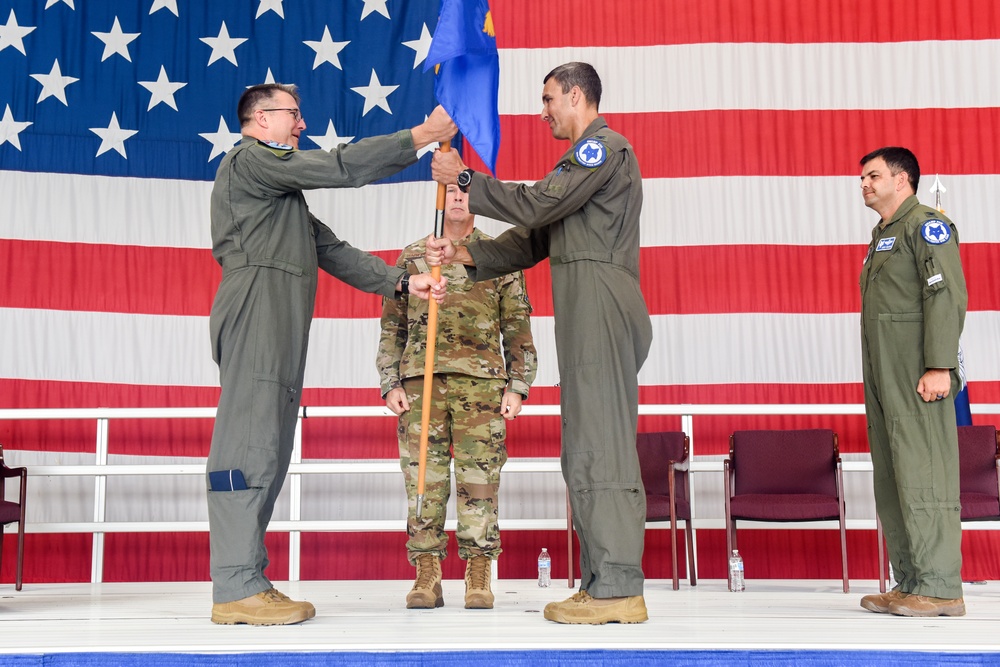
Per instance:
(527,24)
(676,280)
(766,142)
(108,278)
(810,554)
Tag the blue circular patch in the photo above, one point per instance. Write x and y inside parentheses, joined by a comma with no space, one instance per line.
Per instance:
(590,153)
(936,232)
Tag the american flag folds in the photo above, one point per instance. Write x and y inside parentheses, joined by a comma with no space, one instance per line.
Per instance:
(748,118)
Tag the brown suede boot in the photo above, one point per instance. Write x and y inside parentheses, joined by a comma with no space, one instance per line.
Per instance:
(271,607)
(582,608)
(426,591)
(477,583)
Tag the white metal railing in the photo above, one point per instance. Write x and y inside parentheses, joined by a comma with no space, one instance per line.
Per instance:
(295,525)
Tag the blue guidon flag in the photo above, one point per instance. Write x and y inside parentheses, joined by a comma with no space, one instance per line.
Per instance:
(468,79)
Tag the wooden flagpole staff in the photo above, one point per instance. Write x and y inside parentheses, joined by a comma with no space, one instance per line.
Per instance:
(432,321)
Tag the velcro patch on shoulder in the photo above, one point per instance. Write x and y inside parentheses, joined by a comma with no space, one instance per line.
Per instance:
(276,147)
(935,232)
(590,153)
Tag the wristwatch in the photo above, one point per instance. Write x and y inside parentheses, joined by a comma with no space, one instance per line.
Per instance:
(404,284)
(465,180)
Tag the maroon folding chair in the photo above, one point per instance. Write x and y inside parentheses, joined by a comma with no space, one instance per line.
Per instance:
(11,512)
(781,476)
(663,462)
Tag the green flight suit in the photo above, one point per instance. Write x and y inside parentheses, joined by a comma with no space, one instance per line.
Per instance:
(584,216)
(270,247)
(913,302)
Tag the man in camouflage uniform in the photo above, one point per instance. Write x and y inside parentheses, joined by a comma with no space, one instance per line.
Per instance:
(584,217)
(473,391)
(270,248)
(913,303)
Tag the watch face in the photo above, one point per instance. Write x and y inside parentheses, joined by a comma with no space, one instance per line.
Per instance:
(464,178)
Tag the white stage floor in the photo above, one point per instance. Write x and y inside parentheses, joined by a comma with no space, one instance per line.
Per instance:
(371,616)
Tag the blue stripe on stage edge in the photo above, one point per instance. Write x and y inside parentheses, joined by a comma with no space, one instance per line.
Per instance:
(695,658)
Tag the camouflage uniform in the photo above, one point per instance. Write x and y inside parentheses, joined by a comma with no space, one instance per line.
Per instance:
(470,376)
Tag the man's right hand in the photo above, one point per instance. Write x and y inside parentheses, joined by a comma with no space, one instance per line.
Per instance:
(439,251)
(396,401)
(438,127)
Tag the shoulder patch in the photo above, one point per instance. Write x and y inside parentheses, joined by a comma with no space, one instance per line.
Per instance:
(590,153)
(935,232)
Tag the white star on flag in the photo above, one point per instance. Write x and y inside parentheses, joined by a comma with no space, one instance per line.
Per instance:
(375,94)
(12,34)
(116,41)
(222,139)
(162,90)
(270,5)
(375,6)
(420,46)
(112,137)
(49,3)
(331,139)
(223,46)
(164,4)
(268,78)
(326,50)
(10,128)
(54,84)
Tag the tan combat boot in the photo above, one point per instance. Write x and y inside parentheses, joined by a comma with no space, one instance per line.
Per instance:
(271,607)
(477,583)
(426,591)
(582,608)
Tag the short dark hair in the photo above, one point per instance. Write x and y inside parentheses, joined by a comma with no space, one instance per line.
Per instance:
(578,74)
(897,159)
(255,95)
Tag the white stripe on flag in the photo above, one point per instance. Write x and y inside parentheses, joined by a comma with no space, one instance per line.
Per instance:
(824,210)
(691,77)
(729,348)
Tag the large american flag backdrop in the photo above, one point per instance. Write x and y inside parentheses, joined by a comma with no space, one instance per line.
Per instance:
(748,118)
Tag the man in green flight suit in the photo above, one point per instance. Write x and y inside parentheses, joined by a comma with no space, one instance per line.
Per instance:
(583,216)
(270,248)
(913,302)
(483,367)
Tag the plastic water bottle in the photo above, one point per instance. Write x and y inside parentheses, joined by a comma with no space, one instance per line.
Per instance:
(736,584)
(544,569)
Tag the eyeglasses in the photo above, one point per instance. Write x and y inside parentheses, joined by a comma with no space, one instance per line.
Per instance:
(296,114)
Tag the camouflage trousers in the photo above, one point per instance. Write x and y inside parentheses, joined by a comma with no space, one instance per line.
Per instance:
(465,423)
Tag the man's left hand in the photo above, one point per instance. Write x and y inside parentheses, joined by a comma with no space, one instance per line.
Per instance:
(935,384)
(445,166)
(423,285)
